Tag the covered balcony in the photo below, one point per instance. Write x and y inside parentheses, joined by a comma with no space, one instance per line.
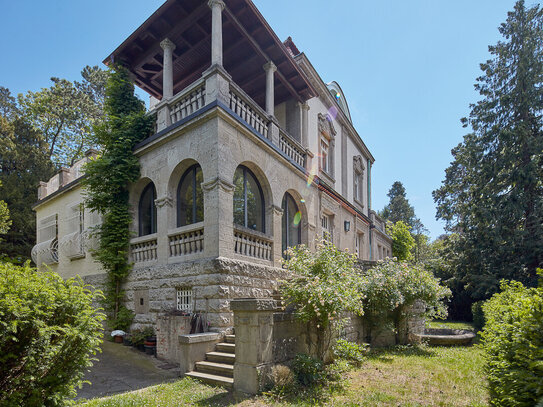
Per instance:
(191,56)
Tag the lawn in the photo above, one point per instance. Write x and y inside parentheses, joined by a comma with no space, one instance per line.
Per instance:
(402,376)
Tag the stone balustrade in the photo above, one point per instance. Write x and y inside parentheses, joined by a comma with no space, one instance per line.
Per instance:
(188,101)
(292,148)
(251,243)
(186,240)
(144,249)
(242,105)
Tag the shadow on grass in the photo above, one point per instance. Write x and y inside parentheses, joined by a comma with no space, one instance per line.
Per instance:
(223,399)
(385,354)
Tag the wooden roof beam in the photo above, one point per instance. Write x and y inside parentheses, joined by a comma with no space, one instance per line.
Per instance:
(257,48)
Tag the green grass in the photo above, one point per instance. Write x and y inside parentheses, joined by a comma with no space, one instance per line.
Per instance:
(401,376)
(440,324)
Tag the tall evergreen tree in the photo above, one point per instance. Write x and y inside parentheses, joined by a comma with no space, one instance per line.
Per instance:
(399,209)
(492,195)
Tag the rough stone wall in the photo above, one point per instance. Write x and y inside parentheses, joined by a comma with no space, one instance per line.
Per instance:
(214,282)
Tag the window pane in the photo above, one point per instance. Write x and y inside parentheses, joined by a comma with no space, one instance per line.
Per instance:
(254,205)
(239,211)
(199,195)
(294,220)
(147,211)
(185,199)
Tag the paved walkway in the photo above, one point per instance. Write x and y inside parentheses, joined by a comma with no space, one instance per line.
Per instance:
(124,368)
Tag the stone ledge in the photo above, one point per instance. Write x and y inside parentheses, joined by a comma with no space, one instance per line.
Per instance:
(197,338)
(253,304)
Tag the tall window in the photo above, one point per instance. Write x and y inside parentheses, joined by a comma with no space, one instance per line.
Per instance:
(358,177)
(325,157)
(190,198)
(248,200)
(147,211)
(359,245)
(292,232)
(326,225)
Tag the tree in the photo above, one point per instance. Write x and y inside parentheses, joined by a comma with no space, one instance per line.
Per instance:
(492,195)
(5,222)
(23,164)
(398,209)
(65,114)
(402,241)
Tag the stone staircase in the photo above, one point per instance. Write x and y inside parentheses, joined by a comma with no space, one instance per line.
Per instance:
(218,368)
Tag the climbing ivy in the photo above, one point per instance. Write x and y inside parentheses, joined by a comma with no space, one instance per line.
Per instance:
(106,183)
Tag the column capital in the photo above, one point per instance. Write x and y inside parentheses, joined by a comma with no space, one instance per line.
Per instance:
(270,66)
(305,106)
(213,3)
(167,44)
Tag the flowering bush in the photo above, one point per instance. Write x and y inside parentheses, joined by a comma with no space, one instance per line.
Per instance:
(325,284)
(391,287)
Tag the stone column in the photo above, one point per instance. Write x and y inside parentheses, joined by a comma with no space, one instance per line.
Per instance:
(163,206)
(253,324)
(305,125)
(219,218)
(270,68)
(277,228)
(167,73)
(217,7)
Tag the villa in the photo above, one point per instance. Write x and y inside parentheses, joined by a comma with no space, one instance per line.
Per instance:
(253,153)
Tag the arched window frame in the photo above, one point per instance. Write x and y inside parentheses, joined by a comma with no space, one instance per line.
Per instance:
(285,222)
(191,171)
(153,211)
(246,216)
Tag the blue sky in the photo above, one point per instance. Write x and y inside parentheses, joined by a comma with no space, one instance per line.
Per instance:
(407,67)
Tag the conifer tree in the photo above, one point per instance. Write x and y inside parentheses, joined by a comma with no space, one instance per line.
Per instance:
(492,195)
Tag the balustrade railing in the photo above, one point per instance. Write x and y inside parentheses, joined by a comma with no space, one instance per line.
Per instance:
(188,101)
(292,148)
(144,249)
(244,107)
(186,240)
(252,244)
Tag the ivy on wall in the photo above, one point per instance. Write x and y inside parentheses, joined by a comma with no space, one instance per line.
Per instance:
(106,183)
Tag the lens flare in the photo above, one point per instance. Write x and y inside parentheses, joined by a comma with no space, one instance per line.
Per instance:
(302,200)
(338,96)
(297,218)
(332,113)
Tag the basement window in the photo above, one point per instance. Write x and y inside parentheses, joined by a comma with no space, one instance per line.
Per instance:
(185,301)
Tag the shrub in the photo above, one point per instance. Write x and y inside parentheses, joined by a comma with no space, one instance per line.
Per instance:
(308,370)
(513,343)
(350,351)
(49,331)
(283,379)
(392,287)
(324,285)
(478,315)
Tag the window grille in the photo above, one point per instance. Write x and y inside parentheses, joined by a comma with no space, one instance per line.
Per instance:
(185,299)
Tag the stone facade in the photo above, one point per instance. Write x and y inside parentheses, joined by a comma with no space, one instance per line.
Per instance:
(214,126)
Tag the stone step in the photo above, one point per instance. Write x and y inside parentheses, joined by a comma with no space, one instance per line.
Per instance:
(219,369)
(212,379)
(226,347)
(231,338)
(221,357)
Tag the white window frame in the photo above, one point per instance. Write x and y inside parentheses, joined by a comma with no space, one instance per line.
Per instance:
(185,299)
(326,225)
(325,155)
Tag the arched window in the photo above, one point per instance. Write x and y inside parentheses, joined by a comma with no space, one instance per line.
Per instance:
(248,200)
(190,198)
(292,218)
(147,211)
